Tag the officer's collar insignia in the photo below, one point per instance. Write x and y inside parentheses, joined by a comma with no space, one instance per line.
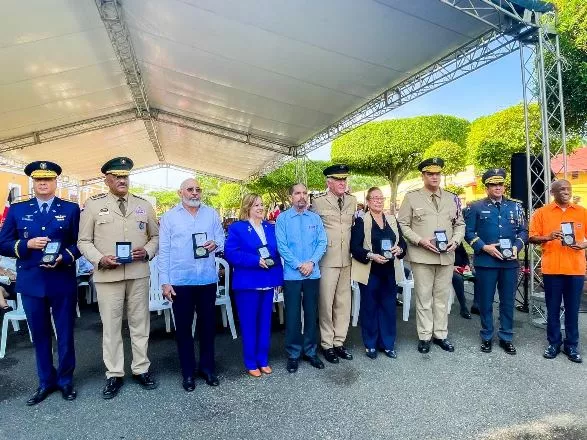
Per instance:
(43,166)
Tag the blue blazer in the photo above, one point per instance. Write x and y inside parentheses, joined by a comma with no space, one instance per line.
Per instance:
(242,252)
(23,222)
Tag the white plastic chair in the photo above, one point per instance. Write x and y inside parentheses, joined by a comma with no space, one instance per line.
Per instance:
(223,297)
(16,315)
(407,285)
(279,301)
(355,302)
(157,302)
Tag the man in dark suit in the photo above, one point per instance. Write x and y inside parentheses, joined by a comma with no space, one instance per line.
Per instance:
(42,234)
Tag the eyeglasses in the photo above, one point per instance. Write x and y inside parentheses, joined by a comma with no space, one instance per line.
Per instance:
(377,199)
(192,189)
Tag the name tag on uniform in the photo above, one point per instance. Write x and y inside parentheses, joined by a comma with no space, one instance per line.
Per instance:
(60,218)
(27,218)
(485,212)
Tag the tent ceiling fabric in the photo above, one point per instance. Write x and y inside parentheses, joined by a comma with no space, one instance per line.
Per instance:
(281,70)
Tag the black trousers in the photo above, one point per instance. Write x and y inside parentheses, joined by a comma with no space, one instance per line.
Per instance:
(296,293)
(200,299)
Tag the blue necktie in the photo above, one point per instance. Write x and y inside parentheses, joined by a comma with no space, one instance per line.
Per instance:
(44,207)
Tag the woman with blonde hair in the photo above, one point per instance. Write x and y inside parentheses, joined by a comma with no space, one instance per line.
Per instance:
(251,250)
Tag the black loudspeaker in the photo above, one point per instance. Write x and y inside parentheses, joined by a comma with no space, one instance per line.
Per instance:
(519,188)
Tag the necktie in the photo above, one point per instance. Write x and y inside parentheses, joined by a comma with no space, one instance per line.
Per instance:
(44,208)
(121,205)
(434,202)
(498,204)
(340,203)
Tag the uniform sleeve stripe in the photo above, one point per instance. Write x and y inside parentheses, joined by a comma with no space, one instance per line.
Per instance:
(473,241)
(16,248)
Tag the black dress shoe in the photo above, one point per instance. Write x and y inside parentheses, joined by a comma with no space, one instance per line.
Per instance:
(424,346)
(465,314)
(314,361)
(573,354)
(330,355)
(210,378)
(475,310)
(41,394)
(552,351)
(486,346)
(67,392)
(507,346)
(292,365)
(390,354)
(371,353)
(444,344)
(342,352)
(189,384)
(113,385)
(146,380)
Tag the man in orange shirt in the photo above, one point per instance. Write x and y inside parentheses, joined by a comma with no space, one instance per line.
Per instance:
(563,266)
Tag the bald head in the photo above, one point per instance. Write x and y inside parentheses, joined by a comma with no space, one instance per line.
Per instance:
(561,191)
(558,184)
(190,193)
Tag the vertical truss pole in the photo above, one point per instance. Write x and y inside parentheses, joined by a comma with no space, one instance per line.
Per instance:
(111,14)
(542,86)
(301,174)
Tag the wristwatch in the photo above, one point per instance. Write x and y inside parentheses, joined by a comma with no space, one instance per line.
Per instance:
(370,255)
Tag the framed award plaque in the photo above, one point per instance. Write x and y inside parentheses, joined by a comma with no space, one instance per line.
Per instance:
(124,252)
(441,240)
(266,255)
(506,248)
(51,252)
(568,230)
(386,248)
(198,241)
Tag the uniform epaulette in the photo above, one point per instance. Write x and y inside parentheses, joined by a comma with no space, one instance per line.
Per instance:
(413,190)
(450,192)
(349,194)
(98,196)
(320,194)
(138,197)
(24,200)
(516,200)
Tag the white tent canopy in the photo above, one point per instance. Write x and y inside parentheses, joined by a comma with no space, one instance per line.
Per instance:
(230,86)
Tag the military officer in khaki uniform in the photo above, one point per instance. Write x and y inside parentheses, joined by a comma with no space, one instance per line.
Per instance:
(108,219)
(423,216)
(337,209)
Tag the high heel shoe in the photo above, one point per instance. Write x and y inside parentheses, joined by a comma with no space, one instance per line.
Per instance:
(254,373)
(266,370)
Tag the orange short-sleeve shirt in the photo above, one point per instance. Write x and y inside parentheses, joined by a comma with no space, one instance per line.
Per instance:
(556,258)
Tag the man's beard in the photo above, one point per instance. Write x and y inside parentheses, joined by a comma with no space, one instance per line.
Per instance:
(192,203)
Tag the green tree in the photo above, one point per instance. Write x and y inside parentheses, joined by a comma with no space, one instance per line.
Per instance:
(166,199)
(572,20)
(359,182)
(229,197)
(454,155)
(394,147)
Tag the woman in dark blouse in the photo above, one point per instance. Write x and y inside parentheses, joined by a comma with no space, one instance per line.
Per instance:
(376,244)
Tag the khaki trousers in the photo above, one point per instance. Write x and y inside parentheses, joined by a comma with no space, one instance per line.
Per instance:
(432,284)
(334,305)
(111,299)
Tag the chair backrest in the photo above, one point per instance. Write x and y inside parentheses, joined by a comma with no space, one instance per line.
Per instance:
(222,288)
(155,291)
(401,276)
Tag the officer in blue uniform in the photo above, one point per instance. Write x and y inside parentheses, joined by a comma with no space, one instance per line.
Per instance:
(46,285)
(491,224)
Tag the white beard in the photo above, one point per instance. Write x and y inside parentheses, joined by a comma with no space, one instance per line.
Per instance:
(192,203)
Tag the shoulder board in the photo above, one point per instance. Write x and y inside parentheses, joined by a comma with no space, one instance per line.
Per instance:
(98,196)
(451,193)
(20,202)
(138,197)
(413,190)
(320,194)
(516,201)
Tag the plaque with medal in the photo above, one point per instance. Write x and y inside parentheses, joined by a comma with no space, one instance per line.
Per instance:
(198,241)
(441,240)
(386,248)
(506,248)
(266,255)
(568,230)
(51,252)
(123,252)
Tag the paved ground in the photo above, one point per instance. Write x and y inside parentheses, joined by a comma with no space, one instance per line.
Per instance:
(464,395)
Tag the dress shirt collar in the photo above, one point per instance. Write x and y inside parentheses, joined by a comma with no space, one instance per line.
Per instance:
(48,202)
(553,206)
(437,193)
(294,212)
(115,197)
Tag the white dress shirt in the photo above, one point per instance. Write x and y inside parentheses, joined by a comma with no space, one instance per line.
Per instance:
(177,265)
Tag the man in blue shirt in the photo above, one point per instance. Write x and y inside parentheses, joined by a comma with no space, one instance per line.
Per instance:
(189,236)
(301,240)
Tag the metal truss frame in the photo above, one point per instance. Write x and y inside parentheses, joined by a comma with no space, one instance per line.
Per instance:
(485,49)
(111,14)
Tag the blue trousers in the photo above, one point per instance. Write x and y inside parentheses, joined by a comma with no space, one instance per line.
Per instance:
(254,313)
(378,310)
(487,279)
(200,299)
(38,312)
(567,288)
(296,292)
(458,284)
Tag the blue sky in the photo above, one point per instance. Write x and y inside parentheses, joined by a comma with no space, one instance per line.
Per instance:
(485,91)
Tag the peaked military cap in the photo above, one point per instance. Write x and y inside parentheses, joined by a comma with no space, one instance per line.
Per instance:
(42,169)
(119,166)
(432,165)
(494,175)
(338,171)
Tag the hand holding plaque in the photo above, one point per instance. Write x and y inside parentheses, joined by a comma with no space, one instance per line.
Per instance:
(441,240)
(386,249)
(123,252)
(266,256)
(506,248)
(199,239)
(568,231)
(51,252)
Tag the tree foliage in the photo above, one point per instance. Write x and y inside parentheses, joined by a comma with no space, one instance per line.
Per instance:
(454,155)
(230,196)
(166,199)
(394,147)
(572,20)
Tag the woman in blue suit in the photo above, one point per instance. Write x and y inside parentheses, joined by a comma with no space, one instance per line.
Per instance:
(251,249)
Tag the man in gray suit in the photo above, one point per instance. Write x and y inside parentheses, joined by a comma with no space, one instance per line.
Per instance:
(433,225)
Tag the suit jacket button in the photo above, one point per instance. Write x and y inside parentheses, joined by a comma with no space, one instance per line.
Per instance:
(43,228)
